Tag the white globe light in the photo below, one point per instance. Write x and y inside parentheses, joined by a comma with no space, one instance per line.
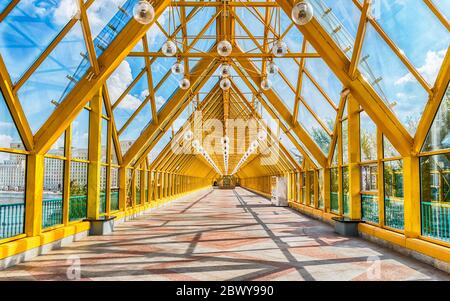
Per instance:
(169,48)
(224,48)
(184,84)
(266,84)
(279,49)
(225,140)
(225,70)
(195,143)
(262,135)
(272,68)
(225,84)
(143,12)
(254,144)
(302,13)
(177,68)
(188,135)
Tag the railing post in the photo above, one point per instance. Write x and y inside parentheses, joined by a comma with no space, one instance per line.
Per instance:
(95,132)
(34,194)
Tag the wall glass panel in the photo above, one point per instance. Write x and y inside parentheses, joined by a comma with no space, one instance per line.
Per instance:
(12,194)
(52,202)
(435,196)
(393,194)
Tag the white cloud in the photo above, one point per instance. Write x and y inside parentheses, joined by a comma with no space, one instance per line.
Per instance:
(65,11)
(119,80)
(159,101)
(5,140)
(130,102)
(5,124)
(429,70)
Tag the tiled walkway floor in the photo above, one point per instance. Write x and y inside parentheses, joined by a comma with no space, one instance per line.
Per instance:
(225,235)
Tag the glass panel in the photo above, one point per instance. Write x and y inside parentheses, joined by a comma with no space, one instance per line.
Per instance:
(334,190)
(303,188)
(345,191)
(369,175)
(439,135)
(123,76)
(129,187)
(137,125)
(389,150)
(114,189)
(345,141)
(316,131)
(9,135)
(28,29)
(391,80)
(340,19)
(435,196)
(64,66)
(321,190)
(393,194)
(368,132)
(369,208)
(317,102)
(12,194)
(138,187)
(103,179)
(52,203)
(326,79)
(425,51)
(78,190)
(311,187)
(80,136)
(443,6)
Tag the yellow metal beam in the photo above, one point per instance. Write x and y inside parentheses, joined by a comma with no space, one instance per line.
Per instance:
(86,88)
(433,104)
(172,109)
(368,98)
(15,107)
(284,113)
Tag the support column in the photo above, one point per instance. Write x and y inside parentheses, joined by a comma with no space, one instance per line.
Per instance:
(411,183)
(34,194)
(95,131)
(122,188)
(326,188)
(354,150)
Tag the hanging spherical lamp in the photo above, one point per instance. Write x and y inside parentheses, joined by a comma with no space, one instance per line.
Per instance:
(225,84)
(262,135)
(279,49)
(188,135)
(184,84)
(266,84)
(225,70)
(302,13)
(143,12)
(272,68)
(177,68)
(169,48)
(224,48)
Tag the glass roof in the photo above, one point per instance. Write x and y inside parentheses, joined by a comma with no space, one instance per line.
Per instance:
(45,51)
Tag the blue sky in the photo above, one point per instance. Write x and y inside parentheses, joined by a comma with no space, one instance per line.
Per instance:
(33,24)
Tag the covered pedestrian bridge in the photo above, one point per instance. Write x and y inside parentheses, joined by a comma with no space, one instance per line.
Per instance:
(224,140)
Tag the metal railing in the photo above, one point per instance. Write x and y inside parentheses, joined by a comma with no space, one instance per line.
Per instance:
(369,208)
(77,207)
(52,213)
(394,213)
(436,220)
(12,217)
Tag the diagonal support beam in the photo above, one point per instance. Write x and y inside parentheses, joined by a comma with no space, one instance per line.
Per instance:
(86,88)
(15,107)
(284,113)
(367,97)
(171,110)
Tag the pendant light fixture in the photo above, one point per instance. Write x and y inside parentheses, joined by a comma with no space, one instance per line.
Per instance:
(143,12)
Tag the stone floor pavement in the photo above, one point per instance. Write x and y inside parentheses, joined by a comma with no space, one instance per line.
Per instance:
(223,235)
